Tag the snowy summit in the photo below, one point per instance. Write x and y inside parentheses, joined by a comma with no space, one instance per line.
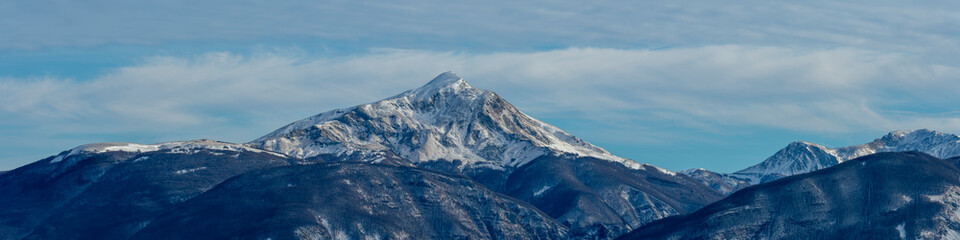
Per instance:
(445,119)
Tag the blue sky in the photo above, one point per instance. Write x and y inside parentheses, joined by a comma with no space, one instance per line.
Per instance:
(718,85)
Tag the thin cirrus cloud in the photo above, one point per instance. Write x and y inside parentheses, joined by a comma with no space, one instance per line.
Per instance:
(926,28)
(237,97)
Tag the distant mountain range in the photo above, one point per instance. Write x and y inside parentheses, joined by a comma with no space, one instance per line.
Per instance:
(893,195)
(802,157)
(450,161)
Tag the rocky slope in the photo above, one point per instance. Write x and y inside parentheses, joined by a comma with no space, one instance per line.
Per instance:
(901,195)
(352,201)
(135,191)
(600,199)
(109,191)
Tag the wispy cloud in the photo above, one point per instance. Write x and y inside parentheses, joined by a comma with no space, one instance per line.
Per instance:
(645,75)
(927,27)
(238,97)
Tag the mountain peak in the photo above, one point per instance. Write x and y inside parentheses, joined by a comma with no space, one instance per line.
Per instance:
(444,79)
(797,157)
(801,143)
(444,119)
(445,82)
(801,157)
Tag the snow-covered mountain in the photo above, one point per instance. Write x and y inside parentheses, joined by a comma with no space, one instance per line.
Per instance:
(798,157)
(445,160)
(446,119)
(893,195)
(802,157)
(449,126)
(937,144)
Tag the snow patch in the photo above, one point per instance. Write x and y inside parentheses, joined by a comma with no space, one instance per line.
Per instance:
(185,171)
(130,147)
(59,158)
(661,170)
(342,236)
(901,231)
(950,200)
(541,191)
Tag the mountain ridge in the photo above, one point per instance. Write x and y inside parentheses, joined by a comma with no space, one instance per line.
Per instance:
(105,191)
(802,157)
(887,195)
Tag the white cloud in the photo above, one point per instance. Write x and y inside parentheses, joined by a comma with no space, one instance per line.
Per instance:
(812,90)
(817,66)
(236,98)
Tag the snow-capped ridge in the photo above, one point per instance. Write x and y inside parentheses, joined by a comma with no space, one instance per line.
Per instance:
(796,157)
(174,147)
(446,79)
(692,170)
(802,157)
(306,123)
(447,83)
(939,144)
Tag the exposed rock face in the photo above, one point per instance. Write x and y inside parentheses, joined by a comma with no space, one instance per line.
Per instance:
(352,201)
(905,195)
